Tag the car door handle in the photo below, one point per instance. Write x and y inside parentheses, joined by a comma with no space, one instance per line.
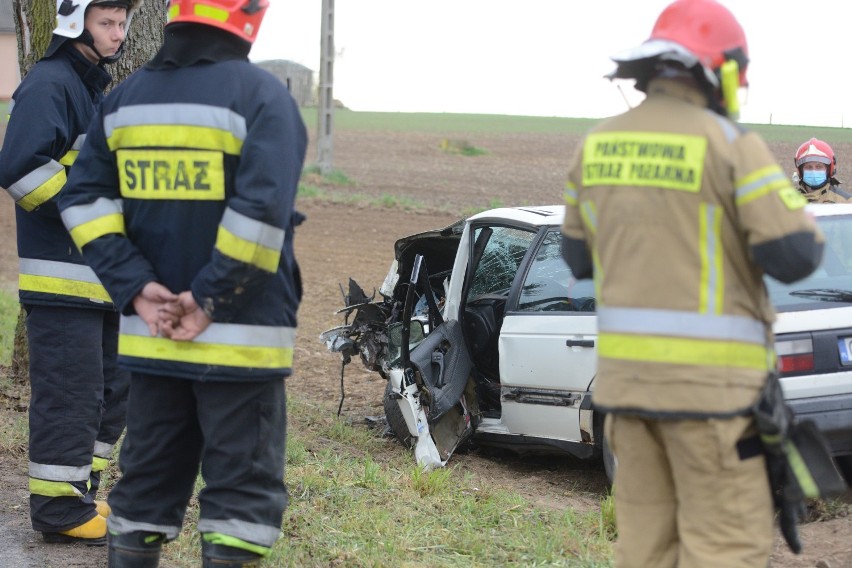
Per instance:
(580,343)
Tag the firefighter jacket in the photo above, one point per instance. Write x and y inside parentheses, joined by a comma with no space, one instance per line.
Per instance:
(49,114)
(188,177)
(829,193)
(678,212)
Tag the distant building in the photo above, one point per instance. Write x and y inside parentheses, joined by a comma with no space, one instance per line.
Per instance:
(10,74)
(298,78)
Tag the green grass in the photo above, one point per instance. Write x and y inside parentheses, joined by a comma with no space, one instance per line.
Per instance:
(9,309)
(354,503)
(488,123)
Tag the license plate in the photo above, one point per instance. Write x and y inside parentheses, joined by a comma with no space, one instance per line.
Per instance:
(844,347)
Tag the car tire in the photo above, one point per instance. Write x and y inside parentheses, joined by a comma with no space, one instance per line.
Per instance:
(396,421)
(609,462)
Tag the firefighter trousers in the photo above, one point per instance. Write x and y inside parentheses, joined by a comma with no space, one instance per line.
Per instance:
(235,432)
(684,496)
(77,410)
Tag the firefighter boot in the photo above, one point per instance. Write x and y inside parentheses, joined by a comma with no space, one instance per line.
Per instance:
(221,556)
(92,533)
(136,549)
(103,508)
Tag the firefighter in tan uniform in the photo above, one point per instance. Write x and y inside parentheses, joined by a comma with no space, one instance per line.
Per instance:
(816,171)
(678,212)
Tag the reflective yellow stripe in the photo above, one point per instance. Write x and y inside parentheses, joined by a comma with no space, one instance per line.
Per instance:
(174,11)
(205,353)
(589,214)
(712,287)
(175,136)
(246,251)
(53,488)
(800,470)
(54,285)
(44,192)
(760,183)
(233,542)
(212,12)
(87,232)
(99,464)
(680,351)
(570,194)
(644,159)
(68,159)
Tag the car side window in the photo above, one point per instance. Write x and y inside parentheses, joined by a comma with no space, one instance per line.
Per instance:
(498,252)
(549,285)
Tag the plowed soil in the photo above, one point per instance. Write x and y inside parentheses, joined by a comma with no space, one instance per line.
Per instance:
(355,239)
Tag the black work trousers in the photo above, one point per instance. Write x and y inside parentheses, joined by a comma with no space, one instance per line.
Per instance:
(235,432)
(78,401)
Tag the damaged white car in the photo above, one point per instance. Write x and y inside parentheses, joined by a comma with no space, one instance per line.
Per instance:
(483,334)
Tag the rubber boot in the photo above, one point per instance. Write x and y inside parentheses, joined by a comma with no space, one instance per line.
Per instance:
(91,533)
(103,508)
(220,556)
(136,549)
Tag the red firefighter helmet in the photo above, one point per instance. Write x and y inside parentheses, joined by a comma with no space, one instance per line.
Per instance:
(815,150)
(239,17)
(692,32)
(706,29)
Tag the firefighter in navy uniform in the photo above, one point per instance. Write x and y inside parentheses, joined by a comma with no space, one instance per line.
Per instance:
(677,212)
(78,393)
(816,173)
(183,205)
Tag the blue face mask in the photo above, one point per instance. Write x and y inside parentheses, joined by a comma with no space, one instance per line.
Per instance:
(814,178)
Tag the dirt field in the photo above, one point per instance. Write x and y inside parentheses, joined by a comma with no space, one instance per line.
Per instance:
(338,241)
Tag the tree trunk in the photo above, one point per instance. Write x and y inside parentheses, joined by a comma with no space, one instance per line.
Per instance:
(34,23)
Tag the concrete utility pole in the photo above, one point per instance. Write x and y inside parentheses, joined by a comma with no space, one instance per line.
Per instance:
(325,110)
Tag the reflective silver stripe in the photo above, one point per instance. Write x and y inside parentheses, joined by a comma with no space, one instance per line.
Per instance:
(711,243)
(253,230)
(59,472)
(120,525)
(34,180)
(78,143)
(177,113)
(759,184)
(103,450)
(224,333)
(56,269)
(11,106)
(646,321)
(250,532)
(101,207)
(589,213)
(727,126)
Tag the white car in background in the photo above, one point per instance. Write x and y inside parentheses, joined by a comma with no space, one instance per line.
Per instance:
(484,336)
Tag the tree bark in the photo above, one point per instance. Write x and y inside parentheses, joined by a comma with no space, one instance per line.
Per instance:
(34,23)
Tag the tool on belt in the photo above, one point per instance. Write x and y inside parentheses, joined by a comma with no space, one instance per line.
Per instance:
(798,460)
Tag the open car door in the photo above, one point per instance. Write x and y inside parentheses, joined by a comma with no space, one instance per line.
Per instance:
(428,381)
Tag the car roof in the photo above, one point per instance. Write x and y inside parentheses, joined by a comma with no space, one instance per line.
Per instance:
(544,215)
(830,209)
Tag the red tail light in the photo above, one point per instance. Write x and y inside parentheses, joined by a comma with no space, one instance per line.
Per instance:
(795,356)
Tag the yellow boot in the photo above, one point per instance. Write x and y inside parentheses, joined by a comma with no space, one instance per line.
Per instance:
(103,508)
(92,533)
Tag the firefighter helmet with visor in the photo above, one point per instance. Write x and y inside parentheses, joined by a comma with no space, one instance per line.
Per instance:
(701,35)
(239,17)
(815,150)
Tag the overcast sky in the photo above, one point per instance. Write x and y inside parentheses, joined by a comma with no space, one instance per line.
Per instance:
(547,57)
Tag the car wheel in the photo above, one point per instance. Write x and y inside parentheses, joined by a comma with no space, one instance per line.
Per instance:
(609,462)
(396,421)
